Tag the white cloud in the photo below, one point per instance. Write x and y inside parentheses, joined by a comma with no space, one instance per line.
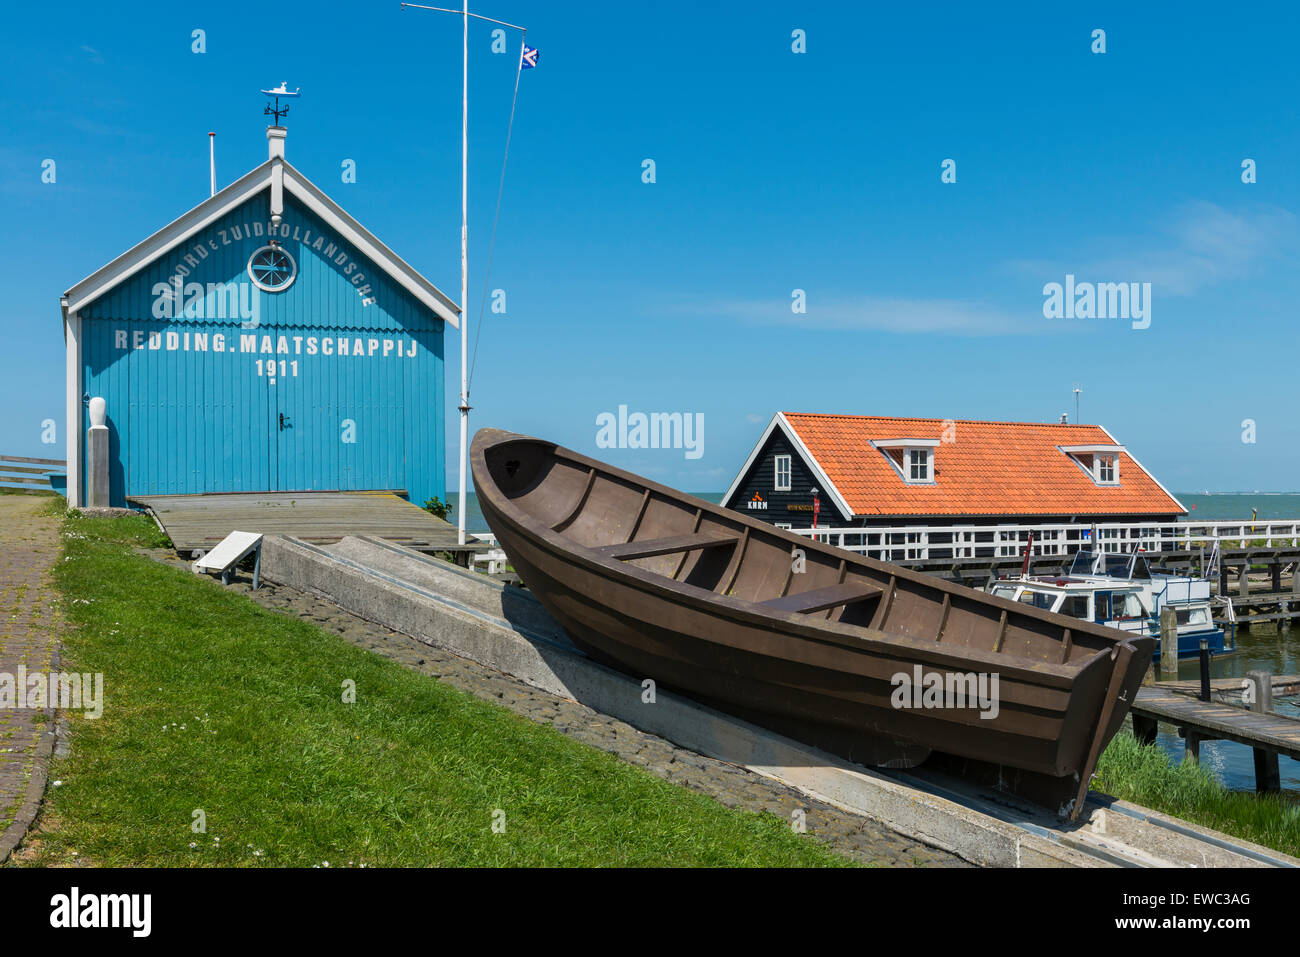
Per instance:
(1204,245)
(1200,245)
(887,314)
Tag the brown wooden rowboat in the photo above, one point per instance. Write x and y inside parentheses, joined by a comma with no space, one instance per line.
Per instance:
(712,603)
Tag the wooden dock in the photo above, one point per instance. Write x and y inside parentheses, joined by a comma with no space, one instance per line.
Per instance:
(1254,607)
(1268,734)
(1283,686)
(195,523)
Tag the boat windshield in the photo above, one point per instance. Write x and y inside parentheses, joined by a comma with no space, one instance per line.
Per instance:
(1111,564)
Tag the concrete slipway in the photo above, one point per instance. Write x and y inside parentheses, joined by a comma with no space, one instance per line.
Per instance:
(505,628)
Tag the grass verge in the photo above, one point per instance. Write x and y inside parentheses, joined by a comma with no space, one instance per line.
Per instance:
(217,707)
(1146,775)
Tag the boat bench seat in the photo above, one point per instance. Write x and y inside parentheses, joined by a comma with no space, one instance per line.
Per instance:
(652,547)
(820,599)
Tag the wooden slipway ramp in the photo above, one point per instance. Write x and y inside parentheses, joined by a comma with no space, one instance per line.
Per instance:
(504,627)
(196,523)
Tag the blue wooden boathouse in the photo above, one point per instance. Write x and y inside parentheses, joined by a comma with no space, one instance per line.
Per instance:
(264,341)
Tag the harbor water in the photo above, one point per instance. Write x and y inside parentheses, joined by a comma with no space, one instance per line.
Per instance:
(1236,506)
(1265,646)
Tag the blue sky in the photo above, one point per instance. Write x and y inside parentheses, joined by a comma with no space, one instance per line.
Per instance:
(775,171)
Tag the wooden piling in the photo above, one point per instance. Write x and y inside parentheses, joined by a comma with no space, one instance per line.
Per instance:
(1267,776)
(1145,729)
(1168,641)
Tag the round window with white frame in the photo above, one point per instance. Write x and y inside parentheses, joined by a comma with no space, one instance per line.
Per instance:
(272,269)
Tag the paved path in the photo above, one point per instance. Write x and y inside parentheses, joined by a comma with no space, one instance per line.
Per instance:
(848,834)
(29,619)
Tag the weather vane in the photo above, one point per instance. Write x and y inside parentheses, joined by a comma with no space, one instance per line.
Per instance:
(282,90)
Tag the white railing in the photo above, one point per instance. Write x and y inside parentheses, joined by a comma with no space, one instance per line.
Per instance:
(495,559)
(940,542)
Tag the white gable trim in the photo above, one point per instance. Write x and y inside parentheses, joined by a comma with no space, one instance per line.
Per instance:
(236,194)
(1149,475)
(813,464)
(1084,449)
(369,244)
(904,443)
(779,420)
(744,469)
(173,234)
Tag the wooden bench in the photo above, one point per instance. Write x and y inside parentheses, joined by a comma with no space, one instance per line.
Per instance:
(233,549)
(820,599)
(653,547)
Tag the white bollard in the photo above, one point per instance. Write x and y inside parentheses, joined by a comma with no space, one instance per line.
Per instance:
(97,491)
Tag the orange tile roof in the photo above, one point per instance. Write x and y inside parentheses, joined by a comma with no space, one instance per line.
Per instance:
(993,468)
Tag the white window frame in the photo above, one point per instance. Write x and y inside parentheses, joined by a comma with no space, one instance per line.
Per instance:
(926,465)
(777,461)
(1098,462)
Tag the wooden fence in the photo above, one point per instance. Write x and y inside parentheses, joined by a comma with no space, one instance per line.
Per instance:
(27,474)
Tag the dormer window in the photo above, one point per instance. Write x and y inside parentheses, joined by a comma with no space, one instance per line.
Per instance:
(1099,462)
(912,459)
(918,465)
(1106,469)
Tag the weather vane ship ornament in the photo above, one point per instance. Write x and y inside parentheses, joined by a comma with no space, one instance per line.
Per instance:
(282,90)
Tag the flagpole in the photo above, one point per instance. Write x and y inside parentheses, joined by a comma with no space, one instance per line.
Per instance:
(463,408)
(464,277)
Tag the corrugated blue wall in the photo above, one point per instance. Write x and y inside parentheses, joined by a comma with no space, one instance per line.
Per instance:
(195,400)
